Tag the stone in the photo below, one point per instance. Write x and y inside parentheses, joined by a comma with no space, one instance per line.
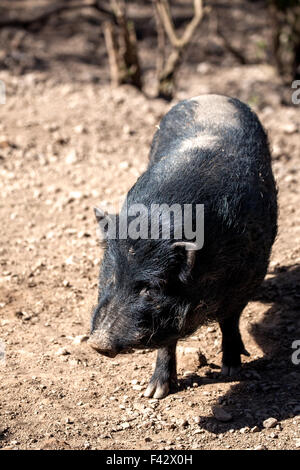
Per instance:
(270,423)
(221,415)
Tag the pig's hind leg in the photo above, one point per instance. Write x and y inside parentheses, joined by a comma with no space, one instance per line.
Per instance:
(232,344)
(164,376)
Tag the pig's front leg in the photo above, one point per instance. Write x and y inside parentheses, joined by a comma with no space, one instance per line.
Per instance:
(164,376)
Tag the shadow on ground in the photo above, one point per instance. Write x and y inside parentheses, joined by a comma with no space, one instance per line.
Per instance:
(269,386)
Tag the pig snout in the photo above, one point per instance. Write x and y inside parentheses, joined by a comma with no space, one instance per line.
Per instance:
(100,341)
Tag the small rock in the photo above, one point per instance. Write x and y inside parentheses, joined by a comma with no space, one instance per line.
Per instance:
(244,430)
(270,423)
(221,415)
(80,339)
(74,362)
(211,329)
(71,157)
(255,429)
(125,425)
(290,128)
(80,129)
(75,195)
(137,387)
(203,68)
(124,165)
(187,373)
(62,352)
(127,130)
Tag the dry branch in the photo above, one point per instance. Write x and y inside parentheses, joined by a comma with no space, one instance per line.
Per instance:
(167,71)
(121,48)
(164,12)
(112,52)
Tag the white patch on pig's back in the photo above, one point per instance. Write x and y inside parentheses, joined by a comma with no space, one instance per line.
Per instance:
(215,110)
(199,141)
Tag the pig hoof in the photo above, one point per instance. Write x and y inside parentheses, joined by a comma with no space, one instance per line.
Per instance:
(157,390)
(230,371)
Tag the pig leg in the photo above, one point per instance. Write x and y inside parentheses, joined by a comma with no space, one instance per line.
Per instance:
(164,375)
(232,345)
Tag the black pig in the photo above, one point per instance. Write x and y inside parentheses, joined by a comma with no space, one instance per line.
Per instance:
(209,150)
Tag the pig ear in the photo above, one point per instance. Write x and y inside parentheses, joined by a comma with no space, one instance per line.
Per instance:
(190,252)
(102,218)
(99,214)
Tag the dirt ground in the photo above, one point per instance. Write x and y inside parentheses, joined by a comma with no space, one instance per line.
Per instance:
(68,142)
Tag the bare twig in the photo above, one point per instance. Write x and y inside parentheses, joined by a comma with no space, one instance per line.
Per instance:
(164,12)
(112,52)
(167,70)
(122,48)
(161,41)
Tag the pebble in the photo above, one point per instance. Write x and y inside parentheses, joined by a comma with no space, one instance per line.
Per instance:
(187,373)
(80,339)
(126,425)
(62,352)
(124,165)
(290,128)
(255,429)
(80,129)
(71,157)
(221,415)
(270,423)
(137,387)
(75,195)
(244,430)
